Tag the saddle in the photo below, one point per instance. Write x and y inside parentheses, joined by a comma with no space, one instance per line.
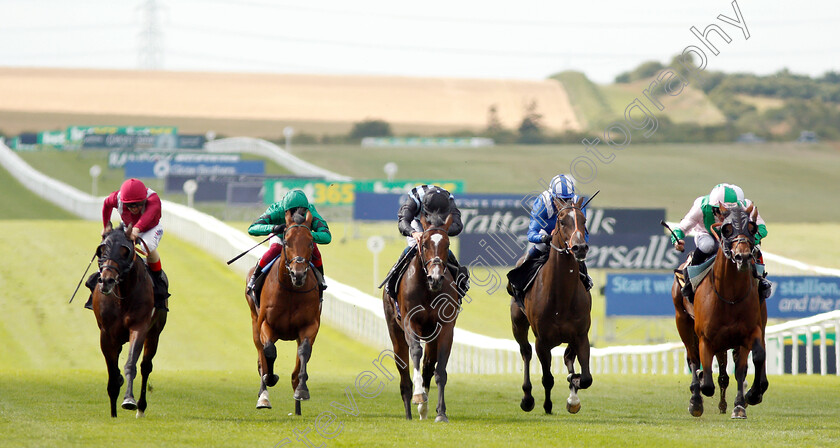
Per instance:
(160,287)
(521,278)
(697,273)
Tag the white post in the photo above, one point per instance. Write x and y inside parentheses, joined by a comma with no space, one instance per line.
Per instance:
(95,171)
(375,244)
(288,132)
(190,187)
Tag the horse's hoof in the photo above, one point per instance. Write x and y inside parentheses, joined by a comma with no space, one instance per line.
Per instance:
(419,398)
(302,394)
(695,409)
(548,406)
(722,407)
(707,391)
(270,381)
(573,406)
(739,412)
(262,402)
(140,414)
(441,418)
(129,404)
(754,398)
(527,404)
(423,410)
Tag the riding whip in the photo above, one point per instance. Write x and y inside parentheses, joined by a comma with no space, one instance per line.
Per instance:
(665,224)
(590,199)
(82,279)
(249,250)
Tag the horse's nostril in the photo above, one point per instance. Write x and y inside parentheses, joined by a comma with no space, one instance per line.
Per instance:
(585,247)
(575,248)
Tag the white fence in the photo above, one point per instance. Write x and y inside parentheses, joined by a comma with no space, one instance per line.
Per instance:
(361,315)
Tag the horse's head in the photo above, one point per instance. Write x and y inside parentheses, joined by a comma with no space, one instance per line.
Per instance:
(737,231)
(434,249)
(116,257)
(569,234)
(299,244)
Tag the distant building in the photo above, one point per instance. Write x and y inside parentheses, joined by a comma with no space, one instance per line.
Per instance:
(807,137)
(749,137)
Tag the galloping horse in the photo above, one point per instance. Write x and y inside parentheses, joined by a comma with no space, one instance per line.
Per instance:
(426,309)
(727,315)
(290,309)
(125,311)
(557,309)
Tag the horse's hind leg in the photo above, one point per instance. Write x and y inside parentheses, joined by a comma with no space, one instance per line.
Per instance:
(401,351)
(723,380)
(520,326)
(136,341)
(149,350)
(544,355)
(111,352)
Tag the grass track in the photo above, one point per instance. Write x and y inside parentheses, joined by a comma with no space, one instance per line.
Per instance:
(194,408)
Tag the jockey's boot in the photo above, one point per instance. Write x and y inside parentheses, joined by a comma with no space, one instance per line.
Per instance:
(697,257)
(254,285)
(322,284)
(461,274)
(160,284)
(584,276)
(91,284)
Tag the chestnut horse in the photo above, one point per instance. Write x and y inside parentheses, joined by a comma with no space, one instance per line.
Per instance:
(557,309)
(428,306)
(727,314)
(290,309)
(124,306)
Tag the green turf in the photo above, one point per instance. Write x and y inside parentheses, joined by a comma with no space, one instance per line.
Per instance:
(17,202)
(194,408)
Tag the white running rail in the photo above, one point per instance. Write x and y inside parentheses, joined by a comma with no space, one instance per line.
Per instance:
(271,151)
(361,315)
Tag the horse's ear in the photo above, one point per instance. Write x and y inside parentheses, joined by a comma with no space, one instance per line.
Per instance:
(128,230)
(289,217)
(723,209)
(579,202)
(108,229)
(754,213)
(99,251)
(424,222)
(448,222)
(750,209)
(308,220)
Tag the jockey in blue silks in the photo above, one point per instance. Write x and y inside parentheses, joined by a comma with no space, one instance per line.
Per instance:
(543,220)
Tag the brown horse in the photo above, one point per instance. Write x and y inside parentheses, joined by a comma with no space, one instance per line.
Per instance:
(428,306)
(124,306)
(557,309)
(290,309)
(727,314)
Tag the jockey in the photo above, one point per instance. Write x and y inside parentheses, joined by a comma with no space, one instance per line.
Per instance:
(543,220)
(274,221)
(703,213)
(432,200)
(141,207)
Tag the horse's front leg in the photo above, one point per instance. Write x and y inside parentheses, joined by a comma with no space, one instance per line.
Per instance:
(267,354)
(544,355)
(707,383)
(111,351)
(429,361)
(444,347)
(136,339)
(740,409)
(756,393)
(415,351)
(723,380)
(304,354)
(577,381)
(520,325)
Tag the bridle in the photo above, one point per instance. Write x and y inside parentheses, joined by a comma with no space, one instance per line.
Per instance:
(436,260)
(108,247)
(298,259)
(557,229)
(739,235)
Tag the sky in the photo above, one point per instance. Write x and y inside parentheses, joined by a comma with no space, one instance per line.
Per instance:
(525,39)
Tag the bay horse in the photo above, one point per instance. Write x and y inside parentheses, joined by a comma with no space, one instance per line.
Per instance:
(427,305)
(727,314)
(557,309)
(124,306)
(290,309)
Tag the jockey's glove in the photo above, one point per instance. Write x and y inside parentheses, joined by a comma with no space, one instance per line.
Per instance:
(278,229)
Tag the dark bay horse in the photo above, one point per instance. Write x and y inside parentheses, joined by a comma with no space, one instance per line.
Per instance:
(428,306)
(124,305)
(290,309)
(557,309)
(727,315)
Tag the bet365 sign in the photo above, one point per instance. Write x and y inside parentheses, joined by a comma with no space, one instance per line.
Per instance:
(344,193)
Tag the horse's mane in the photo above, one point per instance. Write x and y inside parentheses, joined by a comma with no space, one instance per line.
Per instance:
(299,215)
(436,219)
